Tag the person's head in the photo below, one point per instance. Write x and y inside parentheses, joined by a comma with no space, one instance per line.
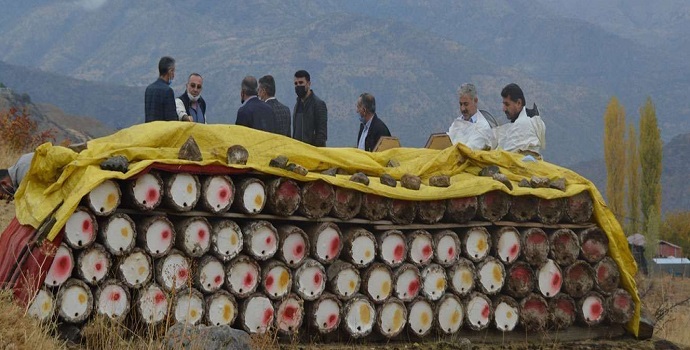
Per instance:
(513,101)
(302,83)
(468,100)
(6,186)
(166,68)
(366,106)
(267,87)
(249,87)
(194,86)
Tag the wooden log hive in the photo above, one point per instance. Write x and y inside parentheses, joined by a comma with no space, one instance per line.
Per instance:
(81,228)
(217,193)
(317,199)
(143,193)
(446,247)
(264,272)
(461,210)
(283,196)
(523,208)
(347,203)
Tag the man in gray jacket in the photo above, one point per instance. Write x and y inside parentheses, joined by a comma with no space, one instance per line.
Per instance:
(310,116)
(267,93)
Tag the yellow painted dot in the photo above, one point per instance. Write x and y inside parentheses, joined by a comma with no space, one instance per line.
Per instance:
(426,319)
(509,314)
(466,277)
(124,232)
(440,283)
(367,254)
(455,317)
(397,319)
(111,200)
(364,314)
(141,270)
(352,285)
(233,239)
(227,312)
(386,288)
(258,200)
(189,188)
(481,245)
(46,305)
(284,279)
(497,273)
(82,298)
(192,313)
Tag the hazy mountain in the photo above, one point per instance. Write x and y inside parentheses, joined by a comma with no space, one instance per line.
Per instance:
(66,126)
(411,55)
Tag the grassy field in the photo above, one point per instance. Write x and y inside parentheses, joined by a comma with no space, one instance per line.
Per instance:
(663,296)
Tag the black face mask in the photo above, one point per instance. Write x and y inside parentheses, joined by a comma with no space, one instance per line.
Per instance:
(301,91)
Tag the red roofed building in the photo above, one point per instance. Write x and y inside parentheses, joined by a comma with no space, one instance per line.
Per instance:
(668,249)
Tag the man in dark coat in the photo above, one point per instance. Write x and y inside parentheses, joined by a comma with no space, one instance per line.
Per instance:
(310,116)
(267,93)
(371,128)
(159,99)
(191,107)
(254,113)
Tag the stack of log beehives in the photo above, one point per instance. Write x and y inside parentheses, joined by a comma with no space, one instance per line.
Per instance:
(262,253)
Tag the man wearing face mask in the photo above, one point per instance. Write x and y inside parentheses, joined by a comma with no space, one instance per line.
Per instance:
(159,99)
(310,117)
(254,113)
(371,128)
(526,132)
(191,107)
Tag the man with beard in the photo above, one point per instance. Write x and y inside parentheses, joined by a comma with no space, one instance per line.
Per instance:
(159,99)
(526,132)
(254,113)
(191,107)
(471,128)
(371,128)
(310,116)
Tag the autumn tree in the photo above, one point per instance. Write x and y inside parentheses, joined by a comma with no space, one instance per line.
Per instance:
(19,133)
(633,178)
(676,228)
(614,153)
(650,162)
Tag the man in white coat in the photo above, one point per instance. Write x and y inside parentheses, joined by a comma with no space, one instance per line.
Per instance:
(526,132)
(471,128)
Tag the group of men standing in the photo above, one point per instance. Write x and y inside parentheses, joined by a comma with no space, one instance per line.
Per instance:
(308,123)
(260,109)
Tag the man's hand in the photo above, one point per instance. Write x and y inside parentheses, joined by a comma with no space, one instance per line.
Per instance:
(186,118)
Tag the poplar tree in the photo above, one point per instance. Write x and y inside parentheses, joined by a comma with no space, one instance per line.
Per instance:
(614,153)
(633,158)
(650,162)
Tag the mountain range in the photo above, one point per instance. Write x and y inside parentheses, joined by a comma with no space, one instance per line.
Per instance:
(94,57)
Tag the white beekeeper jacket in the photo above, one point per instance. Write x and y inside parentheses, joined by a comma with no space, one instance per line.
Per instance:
(525,134)
(475,133)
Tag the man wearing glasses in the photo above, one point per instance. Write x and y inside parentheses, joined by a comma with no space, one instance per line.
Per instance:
(12,177)
(190,106)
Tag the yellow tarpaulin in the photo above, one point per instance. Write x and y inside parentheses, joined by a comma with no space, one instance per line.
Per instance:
(60,177)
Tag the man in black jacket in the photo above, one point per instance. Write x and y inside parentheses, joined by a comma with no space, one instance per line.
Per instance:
(310,116)
(254,113)
(267,93)
(371,128)
(159,98)
(191,107)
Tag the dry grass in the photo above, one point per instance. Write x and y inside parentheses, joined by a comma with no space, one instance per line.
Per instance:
(19,331)
(667,298)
